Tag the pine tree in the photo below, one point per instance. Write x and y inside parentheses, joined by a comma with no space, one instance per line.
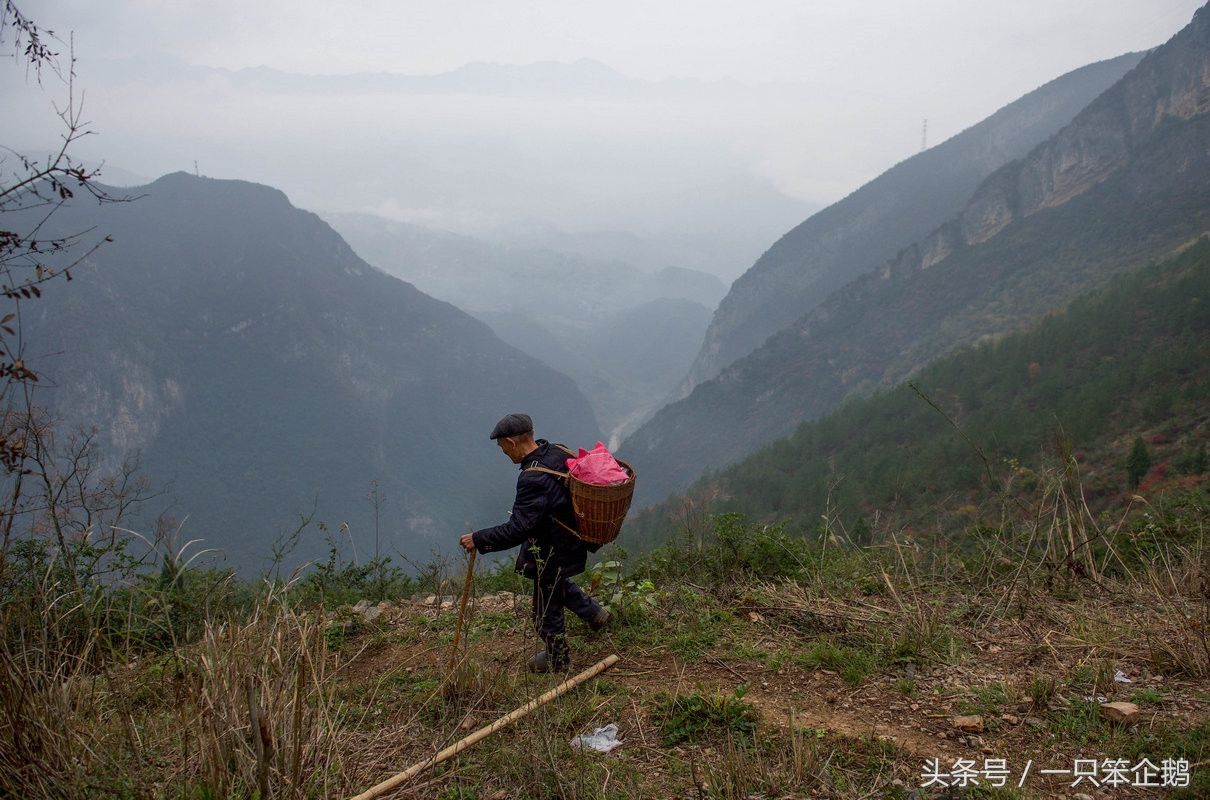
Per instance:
(1138,462)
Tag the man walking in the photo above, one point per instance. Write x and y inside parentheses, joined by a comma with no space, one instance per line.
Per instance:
(543,523)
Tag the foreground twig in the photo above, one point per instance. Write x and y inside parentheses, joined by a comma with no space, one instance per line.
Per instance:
(486,731)
(466,593)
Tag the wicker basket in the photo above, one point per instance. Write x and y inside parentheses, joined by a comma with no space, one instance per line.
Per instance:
(601,510)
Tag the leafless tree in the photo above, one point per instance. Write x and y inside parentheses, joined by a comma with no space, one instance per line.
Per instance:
(32,190)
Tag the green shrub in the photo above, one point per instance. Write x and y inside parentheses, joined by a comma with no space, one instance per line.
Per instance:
(336,582)
(629,598)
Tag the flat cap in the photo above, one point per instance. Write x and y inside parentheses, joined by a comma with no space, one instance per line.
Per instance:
(513,425)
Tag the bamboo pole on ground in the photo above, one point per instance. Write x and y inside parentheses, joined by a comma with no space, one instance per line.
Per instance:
(486,731)
(466,593)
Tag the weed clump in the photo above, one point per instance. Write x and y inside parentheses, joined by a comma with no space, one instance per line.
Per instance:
(693,717)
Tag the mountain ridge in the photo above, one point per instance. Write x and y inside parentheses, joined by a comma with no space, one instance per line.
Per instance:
(261,361)
(870,225)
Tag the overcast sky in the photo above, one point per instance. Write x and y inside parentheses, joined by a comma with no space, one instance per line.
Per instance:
(868,73)
(1020,43)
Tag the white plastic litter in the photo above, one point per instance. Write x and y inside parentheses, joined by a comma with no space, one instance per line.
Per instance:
(1120,677)
(602,740)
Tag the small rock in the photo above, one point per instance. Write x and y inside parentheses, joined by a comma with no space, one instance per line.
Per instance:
(372,613)
(1035,723)
(970,724)
(1081,796)
(755,617)
(384,605)
(1010,719)
(447,603)
(1120,711)
(431,600)
(361,606)
(915,706)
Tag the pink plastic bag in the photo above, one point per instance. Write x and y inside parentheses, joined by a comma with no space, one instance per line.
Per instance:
(598,467)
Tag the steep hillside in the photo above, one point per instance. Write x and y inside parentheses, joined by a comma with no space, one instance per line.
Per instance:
(1131,360)
(1128,180)
(263,369)
(903,204)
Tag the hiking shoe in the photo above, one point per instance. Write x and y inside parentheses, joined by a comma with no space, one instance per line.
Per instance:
(539,662)
(601,620)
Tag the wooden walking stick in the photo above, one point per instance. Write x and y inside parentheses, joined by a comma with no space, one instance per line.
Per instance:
(486,731)
(466,594)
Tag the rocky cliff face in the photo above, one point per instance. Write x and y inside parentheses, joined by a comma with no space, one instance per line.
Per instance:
(1126,181)
(1173,83)
(869,226)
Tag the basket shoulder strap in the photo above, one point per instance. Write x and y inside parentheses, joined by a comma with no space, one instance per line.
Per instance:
(547,470)
(566,449)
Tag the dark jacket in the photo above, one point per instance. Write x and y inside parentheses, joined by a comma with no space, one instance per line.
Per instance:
(541,500)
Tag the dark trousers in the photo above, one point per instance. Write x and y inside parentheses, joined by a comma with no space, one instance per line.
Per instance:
(552,594)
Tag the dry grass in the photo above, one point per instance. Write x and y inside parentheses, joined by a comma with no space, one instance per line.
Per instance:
(256,708)
(246,707)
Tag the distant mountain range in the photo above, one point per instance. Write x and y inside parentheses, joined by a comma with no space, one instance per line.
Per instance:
(1128,179)
(263,369)
(579,78)
(624,334)
(477,274)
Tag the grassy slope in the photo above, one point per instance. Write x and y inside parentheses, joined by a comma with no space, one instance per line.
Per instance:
(756,666)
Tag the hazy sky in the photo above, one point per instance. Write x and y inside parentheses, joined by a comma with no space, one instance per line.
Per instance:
(866,74)
(910,45)
(755,40)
